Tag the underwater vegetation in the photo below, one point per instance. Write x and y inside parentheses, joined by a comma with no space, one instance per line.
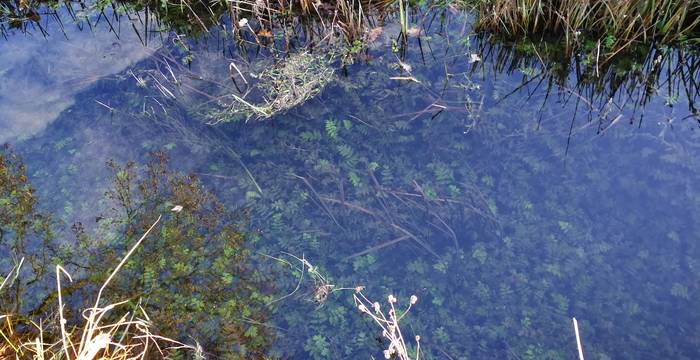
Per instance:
(195,266)
(126,338)
(25,231)
(191,275)
(448,187)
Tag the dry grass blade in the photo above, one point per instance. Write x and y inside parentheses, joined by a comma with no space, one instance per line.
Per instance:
(129,337)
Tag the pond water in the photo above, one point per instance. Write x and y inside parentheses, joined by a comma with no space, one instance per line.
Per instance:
(446,168)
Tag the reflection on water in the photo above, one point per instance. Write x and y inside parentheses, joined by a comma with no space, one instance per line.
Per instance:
(43,75)
(505,213)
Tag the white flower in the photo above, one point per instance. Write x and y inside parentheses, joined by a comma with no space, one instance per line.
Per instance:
(176,209)
(242,22)
(414,299)
(376,307)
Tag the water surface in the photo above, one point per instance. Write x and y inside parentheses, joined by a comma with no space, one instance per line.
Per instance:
(511,207)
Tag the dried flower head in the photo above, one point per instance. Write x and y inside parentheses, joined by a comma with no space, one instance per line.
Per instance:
(376,306)
(414,299)
(391,299)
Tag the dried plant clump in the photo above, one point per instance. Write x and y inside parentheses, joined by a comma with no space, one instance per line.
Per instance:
(322,288)
(283,86)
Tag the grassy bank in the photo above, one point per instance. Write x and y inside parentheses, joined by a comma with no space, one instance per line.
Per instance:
(601,28)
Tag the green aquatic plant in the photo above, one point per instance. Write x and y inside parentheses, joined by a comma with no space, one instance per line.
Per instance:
(127,337)
(487,198)
(192,276)
(25,232)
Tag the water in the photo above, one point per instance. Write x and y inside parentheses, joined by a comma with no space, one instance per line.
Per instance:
(512,208)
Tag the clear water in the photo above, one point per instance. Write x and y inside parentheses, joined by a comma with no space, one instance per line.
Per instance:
(517,208)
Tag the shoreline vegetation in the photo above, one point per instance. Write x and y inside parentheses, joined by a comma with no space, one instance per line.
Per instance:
(600,30)
(599,36)
(596,50)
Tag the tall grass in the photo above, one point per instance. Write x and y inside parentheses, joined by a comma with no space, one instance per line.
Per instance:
(613,25)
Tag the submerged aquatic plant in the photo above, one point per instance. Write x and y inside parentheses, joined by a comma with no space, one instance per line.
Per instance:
(25,231)
(102,336)
(194,275)
(388,322)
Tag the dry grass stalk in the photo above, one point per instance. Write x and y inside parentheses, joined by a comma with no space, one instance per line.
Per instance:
(125,339)
(391,329)
(578,339)
(388,322)
(322,287)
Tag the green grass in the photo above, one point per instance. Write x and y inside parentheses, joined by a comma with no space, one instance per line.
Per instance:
(604,27)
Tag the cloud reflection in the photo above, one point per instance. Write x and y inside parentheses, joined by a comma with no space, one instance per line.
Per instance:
(40,77)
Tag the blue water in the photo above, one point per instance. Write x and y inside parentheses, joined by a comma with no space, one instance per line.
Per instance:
(516,208)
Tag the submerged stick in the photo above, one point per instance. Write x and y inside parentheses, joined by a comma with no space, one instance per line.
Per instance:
(578,340)
(395,226)
(416,239)
(236,156)
(377,247)
(405,78)
(323,206)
